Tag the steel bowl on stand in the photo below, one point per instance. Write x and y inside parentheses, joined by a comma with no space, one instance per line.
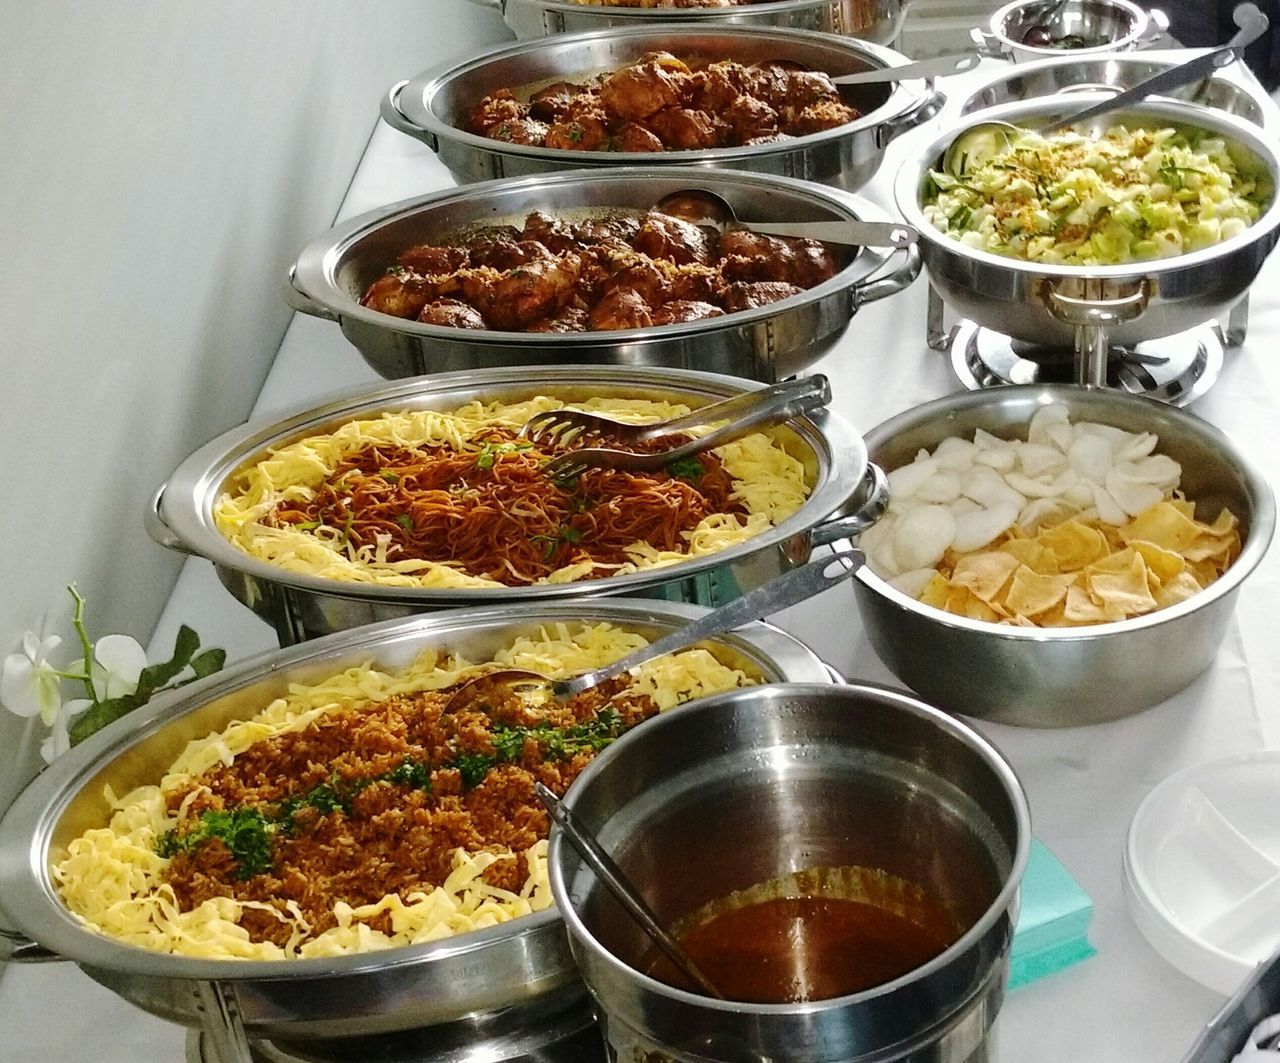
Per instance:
(1029,30)
(434,106)
(1094,307)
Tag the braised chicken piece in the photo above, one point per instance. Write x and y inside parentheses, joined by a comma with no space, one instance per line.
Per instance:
(715,87)
(824,114)
(519,131)
(661,103)
(428,260)
(587,133)
(452,312)
(685,129)
(621,308)
(658,80)
(749,256)
(615,271)
(571,319)
(552,103)
(662,236)
(508,254)
(550,232)
(750,119)
(493,110)
(681,310)
(398,293)
(527,293)
(635,137)
(761,293)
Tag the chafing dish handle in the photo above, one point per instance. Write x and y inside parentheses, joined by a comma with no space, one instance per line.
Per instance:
(888,283)
(399,121)
(891,128)
(301,301)
(159,531)
(873,493)
(1157,27)
(15,948)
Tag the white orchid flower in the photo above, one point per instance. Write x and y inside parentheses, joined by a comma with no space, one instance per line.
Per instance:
(118,661)
(29,684)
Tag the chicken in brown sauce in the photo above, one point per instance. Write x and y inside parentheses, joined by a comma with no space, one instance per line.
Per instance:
(661,103)
(616,271)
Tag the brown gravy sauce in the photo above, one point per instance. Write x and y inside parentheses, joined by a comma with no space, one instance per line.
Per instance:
(790,949)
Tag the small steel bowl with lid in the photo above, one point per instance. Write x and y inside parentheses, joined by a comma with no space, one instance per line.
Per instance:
(435,106)
(1027,30)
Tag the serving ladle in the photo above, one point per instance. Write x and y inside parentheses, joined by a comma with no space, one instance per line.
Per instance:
(709,210)
(984,140)
(781,592)
(617,883)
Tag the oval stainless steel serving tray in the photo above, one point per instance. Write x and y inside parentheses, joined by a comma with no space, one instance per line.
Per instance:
(846,494)
(519,965)
(434,107)
(765,344)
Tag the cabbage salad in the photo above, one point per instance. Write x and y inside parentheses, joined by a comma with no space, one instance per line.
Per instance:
(1073,199)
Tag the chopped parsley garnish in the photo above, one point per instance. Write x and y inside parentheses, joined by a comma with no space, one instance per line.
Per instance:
(686,468)
(246,832)
(405,521)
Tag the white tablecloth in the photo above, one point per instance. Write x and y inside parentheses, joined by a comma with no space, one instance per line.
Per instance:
(1124,1005)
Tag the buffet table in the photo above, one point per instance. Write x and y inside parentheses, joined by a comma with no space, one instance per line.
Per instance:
(1126,1004)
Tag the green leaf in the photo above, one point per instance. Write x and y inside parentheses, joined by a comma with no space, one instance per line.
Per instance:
(154,676)
(207,663)
(98,716)
(405,521)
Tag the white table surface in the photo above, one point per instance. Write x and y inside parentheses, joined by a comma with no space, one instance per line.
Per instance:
(1124,1005)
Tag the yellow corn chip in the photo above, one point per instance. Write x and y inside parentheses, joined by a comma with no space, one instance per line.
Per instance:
(1031,593)
(1122,593)
(1163,564)
(1074,544)
(1163,524)
(1079,608)
(1032,553)
(985,573)
(1178,589)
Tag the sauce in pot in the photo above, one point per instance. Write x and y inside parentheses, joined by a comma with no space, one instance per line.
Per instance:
(788,949)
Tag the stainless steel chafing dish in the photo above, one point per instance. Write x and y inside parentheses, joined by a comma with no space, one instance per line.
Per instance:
(846,496)
(767,343)
(873,20)
(1092,306)
(1116,26)
(521,967)
(435,105)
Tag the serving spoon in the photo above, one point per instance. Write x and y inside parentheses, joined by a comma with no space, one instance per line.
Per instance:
(709,210)
(781,592)
(608,872)
(939,66)
(986,139)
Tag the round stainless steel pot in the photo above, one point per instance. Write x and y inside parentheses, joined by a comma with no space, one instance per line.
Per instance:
(755,784)
(872,20)
(847,495)
(767,344)
(1120,24)
(1227,91)
(434,107)
(1130,303)
(524,964)
(1064,677)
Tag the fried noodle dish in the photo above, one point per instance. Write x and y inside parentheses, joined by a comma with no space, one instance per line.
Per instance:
(432,499)
(617,271)
(355,815)
(661,103)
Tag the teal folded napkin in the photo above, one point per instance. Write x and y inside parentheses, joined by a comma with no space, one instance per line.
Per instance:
(1053,921)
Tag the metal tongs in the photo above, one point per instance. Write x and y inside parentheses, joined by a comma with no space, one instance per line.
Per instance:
(743,414)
